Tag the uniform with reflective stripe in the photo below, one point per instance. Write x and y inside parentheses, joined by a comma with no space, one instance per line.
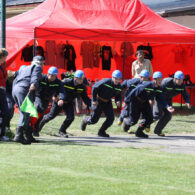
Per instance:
(73,91)
(106,90)
(170,90)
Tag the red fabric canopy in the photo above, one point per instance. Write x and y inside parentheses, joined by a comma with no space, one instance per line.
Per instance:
(110,20)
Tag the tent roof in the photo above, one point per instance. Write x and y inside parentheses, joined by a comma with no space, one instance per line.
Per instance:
(109,20)
(112,20)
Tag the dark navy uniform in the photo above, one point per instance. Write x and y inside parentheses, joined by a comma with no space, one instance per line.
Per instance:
(47,89)
(102,92)
(128,85)
(170,90)
(72,91)
(138,102)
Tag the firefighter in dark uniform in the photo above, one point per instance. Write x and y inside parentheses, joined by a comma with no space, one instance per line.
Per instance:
(102,92)
(171,88)
(138,102)
(129,85)
(50,87)
(25,83)
(74,87)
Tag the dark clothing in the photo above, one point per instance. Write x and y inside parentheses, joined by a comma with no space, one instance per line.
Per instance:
(103,91)
(170,89)
(47,89)
(68,108)
(27,53)
(105,107)
(128,85)
(106,89)
(147,51)
(4,112)
(135,109)
(138,102)
(73,91)
(70,56)
(106,56)
(145,92)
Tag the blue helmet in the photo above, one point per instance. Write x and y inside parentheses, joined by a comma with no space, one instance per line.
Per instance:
(144,73)
(117,74)
(53,71)
(157,74)
(79,74)
(179,75)
(22,67)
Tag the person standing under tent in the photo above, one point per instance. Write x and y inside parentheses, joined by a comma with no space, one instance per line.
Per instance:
(140,64)
(138,102)
(102,93)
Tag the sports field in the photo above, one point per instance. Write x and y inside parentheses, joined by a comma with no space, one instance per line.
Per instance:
(69,167)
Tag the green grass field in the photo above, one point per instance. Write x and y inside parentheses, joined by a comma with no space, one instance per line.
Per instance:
(52,167)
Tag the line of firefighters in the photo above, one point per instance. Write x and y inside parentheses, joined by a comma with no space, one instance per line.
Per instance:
(152,100)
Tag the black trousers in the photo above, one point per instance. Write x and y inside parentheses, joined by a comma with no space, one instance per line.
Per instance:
(161,114)
(4,112)
(135,109)
(68,108)
(108,111)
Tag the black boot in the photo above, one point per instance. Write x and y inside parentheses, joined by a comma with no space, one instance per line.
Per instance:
(36,130)
(62,131)
(102,132)
(140,133)
(28,135)
(84,124)
(19,137)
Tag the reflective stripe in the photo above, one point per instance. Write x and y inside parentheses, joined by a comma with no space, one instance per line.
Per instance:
(134,85)
(118,89)
(169,88)
(149,89)
(69,87)
(108,86)
(44,83)
(54,85)
(159,91)
(179,89)
(80,89)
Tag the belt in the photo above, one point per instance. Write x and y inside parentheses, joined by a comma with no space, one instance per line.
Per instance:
(140,99)
(102,99)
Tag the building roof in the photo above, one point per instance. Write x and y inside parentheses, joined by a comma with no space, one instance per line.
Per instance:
(163,5)
(21,2)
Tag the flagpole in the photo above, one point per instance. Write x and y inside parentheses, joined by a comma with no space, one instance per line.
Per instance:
(3,23)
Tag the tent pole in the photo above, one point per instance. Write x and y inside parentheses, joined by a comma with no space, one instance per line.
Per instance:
(124,58)
(3,23)
(34,45)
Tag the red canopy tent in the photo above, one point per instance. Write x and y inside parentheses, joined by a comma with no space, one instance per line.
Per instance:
(104,20)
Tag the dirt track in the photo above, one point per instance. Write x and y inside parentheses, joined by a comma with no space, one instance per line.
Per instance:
(184,143)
